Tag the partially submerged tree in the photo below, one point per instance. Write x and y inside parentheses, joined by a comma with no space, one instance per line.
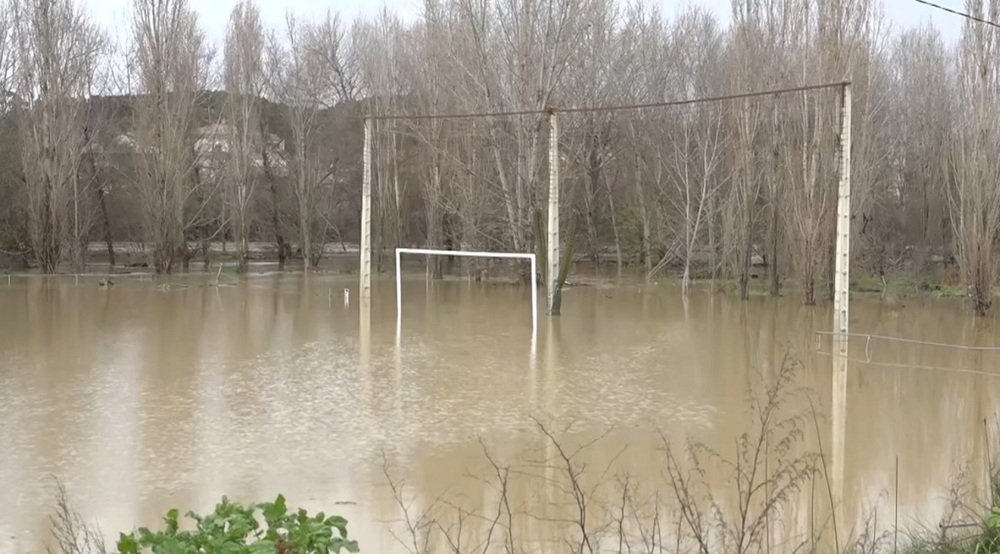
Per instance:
(11,191)
(58,49)
(170,75)
(313,78)
(917,197)
(974,197)
(698,160)
(244,80)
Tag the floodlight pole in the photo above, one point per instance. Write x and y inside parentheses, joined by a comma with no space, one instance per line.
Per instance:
(841,301)
(554,295)
(366,216)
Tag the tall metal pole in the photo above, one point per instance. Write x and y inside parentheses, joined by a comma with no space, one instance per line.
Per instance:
(366,216)
(552,284)
(841,303)
(77,263)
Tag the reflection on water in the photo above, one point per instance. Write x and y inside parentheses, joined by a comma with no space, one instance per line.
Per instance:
(144,397)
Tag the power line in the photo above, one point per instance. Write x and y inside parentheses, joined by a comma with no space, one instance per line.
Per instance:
(705,100)
(958,13)
(457,115)
(684,102)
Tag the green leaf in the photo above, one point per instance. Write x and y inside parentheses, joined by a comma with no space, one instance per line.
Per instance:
(350,546)
(171,520)
(275,511)
(338,523)
(127,544)
(145,535)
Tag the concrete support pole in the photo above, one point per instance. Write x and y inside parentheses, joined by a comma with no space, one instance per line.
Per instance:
(366,216)
(840,308)
(552,286)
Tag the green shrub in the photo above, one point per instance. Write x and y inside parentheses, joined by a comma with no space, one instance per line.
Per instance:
(234,529)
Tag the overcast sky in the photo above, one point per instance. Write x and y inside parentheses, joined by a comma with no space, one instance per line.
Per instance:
(214,13)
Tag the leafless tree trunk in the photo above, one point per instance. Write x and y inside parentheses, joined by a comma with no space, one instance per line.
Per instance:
(775,203)
(698,166)
(742,203)
(273,165)
(100,190)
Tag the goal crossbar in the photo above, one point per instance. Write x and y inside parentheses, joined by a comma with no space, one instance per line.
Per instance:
(466,254)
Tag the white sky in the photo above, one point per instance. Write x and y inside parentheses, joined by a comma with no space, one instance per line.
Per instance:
(214,14)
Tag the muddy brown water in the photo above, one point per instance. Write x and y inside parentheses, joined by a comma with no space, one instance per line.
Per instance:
(150,395)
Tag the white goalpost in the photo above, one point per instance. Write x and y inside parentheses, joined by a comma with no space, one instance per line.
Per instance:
(466,254)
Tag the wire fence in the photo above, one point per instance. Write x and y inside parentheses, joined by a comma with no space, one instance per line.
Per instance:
(869,360)
(871,337)
(901,365)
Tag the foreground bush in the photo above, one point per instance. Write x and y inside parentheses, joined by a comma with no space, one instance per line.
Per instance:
(235,529)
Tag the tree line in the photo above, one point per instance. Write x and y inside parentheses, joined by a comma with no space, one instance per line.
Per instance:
(260,138)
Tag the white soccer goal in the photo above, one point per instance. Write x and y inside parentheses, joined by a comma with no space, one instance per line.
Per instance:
(429,252)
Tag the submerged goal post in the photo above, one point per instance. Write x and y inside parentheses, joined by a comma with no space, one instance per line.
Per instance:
(429,252)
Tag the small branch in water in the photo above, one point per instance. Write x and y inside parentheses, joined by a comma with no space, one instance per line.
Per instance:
(826,476)
(71,534)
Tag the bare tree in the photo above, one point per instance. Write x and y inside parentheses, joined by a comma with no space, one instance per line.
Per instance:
(974,198)
(521,56)
(917,198)
(652,80)
(762,33)
(380,50)
(244,78)
(313,80)
(699,174)
(9,53)
(810,146)
(698,160)
(58,50)
(170,64)
(12,232)
(273,158)
(592,81)
(747,121)
(424,69)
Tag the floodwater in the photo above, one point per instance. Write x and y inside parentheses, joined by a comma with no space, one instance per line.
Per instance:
(150,395)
